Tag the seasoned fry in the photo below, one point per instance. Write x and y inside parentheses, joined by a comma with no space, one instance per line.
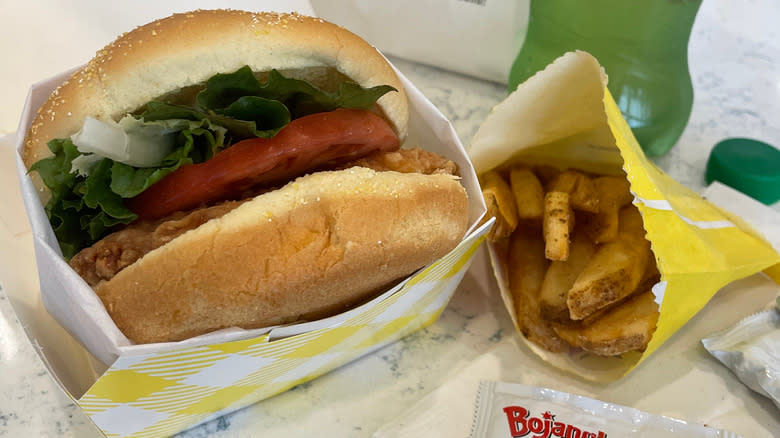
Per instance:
(649,279)
(500,204)
(558,221)
(529,194)
(613,193)
(582,192)
(626,328)
(614,271)
(584,197)
(560,277)
(527,266)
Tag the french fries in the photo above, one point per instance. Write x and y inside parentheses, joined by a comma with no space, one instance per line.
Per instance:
(627,327)
(586,286)
(613,193)
(529,194)
(560,277)
(527,267)
(581,190)
(614,271)
(500,204)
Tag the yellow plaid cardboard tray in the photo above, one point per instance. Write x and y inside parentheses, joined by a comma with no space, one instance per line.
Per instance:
(159,389)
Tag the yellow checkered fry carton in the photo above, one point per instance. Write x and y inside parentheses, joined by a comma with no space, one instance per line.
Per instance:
(156,390)
(565,117)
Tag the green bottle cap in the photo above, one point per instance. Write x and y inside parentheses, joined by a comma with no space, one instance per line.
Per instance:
(750,166)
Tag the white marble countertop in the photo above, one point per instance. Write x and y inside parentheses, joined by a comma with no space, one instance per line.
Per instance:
(735,66)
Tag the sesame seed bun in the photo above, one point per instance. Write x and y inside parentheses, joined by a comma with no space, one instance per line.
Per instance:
(166,56)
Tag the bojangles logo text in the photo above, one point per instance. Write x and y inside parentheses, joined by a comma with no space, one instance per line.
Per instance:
(522,424)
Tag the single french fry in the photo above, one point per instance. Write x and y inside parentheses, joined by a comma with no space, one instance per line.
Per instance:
(585,197)
(529,194)
(649,279)
(527,266)
(500,204)
(560,277)
(558,221)
(614,271)
(613,193)
(627,327)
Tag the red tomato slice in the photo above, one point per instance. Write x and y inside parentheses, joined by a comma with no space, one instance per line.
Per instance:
(307,143)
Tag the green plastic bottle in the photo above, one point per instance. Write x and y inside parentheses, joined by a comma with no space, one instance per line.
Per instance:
(643,46)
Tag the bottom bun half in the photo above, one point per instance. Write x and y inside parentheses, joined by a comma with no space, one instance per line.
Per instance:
(314,248)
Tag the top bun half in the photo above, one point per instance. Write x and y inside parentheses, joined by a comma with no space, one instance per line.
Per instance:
(184,50)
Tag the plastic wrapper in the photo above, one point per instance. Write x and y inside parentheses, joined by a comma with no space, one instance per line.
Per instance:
(564,116)
(751,349)
(514,410)
(693,395)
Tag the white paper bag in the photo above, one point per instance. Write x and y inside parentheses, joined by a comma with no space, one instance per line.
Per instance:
(476,37)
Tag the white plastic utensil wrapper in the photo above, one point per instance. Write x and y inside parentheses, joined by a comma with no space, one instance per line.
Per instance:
(751,349)
(507,410)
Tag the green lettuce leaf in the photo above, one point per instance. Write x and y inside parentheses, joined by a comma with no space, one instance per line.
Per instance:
(247,117)
(299,96)
(55,170)
(195,145)
(83,209)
